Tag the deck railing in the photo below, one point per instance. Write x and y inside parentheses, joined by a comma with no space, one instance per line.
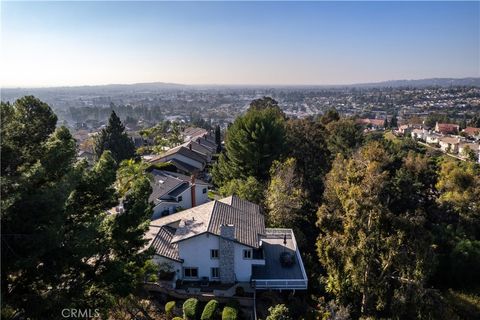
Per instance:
(283,283)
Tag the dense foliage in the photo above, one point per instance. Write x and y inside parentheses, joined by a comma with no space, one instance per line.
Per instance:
(60,248)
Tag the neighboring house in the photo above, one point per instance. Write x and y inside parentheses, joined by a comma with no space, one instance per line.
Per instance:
(172,191)
(207,141)
(446,128)
(432,138)
(200,148)
(191,133)
(449,144)
(183,154)
(463,146)
(418,134)
(405,129)
(472,132)
(226,241)
(371,123)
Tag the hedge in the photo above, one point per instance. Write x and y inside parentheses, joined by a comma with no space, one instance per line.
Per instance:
(169,308)
(190,308)
(210,310)
(229,313)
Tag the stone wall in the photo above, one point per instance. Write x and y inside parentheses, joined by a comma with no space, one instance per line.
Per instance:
(227,254)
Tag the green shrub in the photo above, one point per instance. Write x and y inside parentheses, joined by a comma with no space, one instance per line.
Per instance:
(190,308)
(169,308)
(229,313)
(210,310)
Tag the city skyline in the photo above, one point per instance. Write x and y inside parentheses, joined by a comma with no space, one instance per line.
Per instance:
(237,43)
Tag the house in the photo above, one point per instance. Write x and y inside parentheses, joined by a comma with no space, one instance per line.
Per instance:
(372,123)
(446,128)
(191,133)
(464,146)
(471,131)
(183,154)
(172,191)
(200,148)
(405,129)
(418,134)
(432,138)
(225,241)
(449,144)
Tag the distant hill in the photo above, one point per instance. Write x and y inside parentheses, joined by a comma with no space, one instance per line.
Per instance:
(421,83)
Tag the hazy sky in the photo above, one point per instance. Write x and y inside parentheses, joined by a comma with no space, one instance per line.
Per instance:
(75,43)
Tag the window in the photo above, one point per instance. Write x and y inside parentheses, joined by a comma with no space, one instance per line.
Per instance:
(214,254)
(180,199)
(190,272)
(215,273)
(247,254)
(204,190)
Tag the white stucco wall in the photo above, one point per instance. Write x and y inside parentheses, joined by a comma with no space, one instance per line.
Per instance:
(196,253)
(201,197)
(243,267)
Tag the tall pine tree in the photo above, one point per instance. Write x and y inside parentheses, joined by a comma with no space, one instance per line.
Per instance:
(114,138)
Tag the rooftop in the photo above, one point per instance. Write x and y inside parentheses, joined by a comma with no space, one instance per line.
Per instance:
(207,218)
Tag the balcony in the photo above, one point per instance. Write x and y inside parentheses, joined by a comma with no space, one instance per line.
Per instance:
(274,274)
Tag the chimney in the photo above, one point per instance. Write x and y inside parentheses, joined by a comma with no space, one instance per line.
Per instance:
(192,190)
(190,146)
(227,231)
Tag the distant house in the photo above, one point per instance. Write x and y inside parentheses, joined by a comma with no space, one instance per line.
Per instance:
(446,128)
(371,123)
(471,131)
(191,133)
(183,154)
(405,129)
(432,138)
(200,148)
(172,191)
(449,144)
(226,241)
(418,134)
(464,146)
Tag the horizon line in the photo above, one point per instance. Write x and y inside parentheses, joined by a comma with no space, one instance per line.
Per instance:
(233,85)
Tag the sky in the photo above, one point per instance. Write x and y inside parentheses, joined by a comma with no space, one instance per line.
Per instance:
(275,43)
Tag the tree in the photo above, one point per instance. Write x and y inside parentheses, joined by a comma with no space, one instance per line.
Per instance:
(25,125)
(469,154)
(250,189)
(60,249)
(306,141)
(386,124)
(278,312)
(284,196)
(394,121)
(459,187)
(344,137)
(376,257)
(331,115)
(218,138)
(252,143)
(114,138)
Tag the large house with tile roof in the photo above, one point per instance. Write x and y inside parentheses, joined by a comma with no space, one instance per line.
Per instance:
(225,241)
